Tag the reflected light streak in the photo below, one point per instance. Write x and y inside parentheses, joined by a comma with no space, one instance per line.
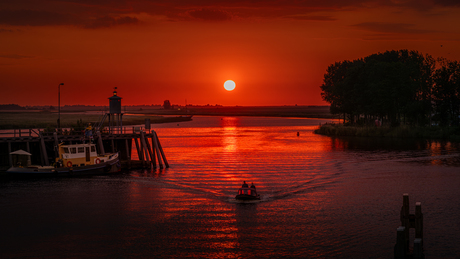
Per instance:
(229,139)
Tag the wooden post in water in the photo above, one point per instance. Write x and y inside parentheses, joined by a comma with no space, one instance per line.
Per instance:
(10,158)
(418,223)
(144,147)
(161,149)
(418,251)
(29,160)
(154,161)
(149,149)
(405,217)
(157,149)
(128,153)
(139,153)
(401,249)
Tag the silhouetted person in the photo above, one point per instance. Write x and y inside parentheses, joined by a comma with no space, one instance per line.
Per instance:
(245,185)
(253,186)
(89,131)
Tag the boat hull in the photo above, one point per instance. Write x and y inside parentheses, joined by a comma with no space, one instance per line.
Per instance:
(108,167)
(246,197)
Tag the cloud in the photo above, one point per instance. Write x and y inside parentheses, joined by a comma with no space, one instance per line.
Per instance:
(15,56)
(104,13)
(311,17)
(47,18)
(33,18)
(447,3)
(107,13)
(384,27)
(210,15)
(107,21)
(7,30)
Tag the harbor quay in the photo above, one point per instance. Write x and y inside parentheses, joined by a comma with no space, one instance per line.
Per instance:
(43,146)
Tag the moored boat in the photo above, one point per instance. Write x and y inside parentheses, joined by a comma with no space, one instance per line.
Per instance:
(73,160)
(246,193)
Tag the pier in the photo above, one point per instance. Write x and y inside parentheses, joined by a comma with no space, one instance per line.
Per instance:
(43,145)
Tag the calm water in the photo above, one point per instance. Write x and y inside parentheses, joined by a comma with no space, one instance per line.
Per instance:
(321,197)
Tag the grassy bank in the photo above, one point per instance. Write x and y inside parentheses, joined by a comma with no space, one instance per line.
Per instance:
(27,120)
(445,133)
(265,111)
(48,119)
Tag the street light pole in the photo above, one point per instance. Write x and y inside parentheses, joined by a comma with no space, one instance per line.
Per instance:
(59,106)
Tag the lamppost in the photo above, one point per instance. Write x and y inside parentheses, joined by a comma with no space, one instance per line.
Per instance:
(59,106)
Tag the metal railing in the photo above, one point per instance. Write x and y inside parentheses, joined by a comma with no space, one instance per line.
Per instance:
(14,133)
(20,133)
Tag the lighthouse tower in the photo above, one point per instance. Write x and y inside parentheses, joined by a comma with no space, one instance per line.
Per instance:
(115,115)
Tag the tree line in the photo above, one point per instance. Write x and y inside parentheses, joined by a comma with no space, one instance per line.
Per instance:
(395,87)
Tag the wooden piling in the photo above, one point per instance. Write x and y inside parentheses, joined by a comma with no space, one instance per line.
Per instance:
(10,158)
(144,147)
(409,221)
(43,150)
(154,152)
(419,222)
(149,149)
(157,149)
(405,217)
(128,153)
(418,251)
(161,149)
(400,249)
(140,154)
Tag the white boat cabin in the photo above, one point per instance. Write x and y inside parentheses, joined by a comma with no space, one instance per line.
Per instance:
(79,155)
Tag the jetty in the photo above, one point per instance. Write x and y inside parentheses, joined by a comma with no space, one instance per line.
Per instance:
(44,146)
(108,134)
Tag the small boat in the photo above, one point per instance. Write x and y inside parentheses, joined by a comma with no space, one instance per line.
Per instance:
(73,160)
(247,193)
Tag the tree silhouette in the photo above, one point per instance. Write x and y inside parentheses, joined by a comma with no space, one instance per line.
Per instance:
(394,86)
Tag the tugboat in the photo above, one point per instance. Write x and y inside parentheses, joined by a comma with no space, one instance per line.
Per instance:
(73,160)
(246,193)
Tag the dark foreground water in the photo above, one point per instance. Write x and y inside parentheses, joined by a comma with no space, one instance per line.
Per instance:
(320,198)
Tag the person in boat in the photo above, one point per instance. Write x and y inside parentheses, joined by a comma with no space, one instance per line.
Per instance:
(245,185)
(253,186)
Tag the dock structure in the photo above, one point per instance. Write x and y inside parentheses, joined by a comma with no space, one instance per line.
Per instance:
(402,249)
(43,146)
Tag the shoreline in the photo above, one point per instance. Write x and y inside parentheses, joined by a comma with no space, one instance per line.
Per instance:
(433,133)
(47,119)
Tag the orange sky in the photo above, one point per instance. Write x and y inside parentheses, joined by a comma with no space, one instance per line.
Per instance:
(276,51)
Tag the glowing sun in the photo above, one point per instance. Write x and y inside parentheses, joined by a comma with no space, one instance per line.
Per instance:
(229,85)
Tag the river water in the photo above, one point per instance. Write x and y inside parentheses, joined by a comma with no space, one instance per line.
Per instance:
(321,197)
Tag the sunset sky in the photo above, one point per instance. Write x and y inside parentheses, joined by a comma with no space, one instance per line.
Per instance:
(183,51)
